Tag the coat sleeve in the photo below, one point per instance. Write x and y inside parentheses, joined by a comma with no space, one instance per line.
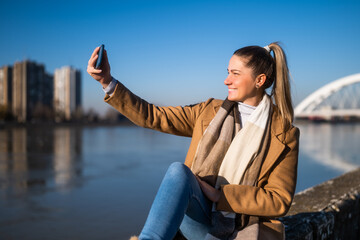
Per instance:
(173,120)
(273,197)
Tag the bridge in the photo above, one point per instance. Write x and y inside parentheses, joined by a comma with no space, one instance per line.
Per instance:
(338,100)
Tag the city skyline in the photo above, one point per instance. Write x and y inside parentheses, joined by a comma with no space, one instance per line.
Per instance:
(30,93)
(176,53)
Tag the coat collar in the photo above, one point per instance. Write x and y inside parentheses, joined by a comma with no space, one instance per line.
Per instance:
(277,125)
(277,145)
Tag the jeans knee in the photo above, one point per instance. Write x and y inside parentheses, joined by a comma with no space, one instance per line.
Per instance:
(178,170)
(179,175)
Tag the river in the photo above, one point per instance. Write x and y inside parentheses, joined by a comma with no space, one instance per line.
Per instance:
(67,182)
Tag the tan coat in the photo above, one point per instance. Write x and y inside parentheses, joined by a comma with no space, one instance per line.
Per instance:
(275,188)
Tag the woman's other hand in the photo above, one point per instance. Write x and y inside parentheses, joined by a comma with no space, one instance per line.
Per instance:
(101,75)
(209,191)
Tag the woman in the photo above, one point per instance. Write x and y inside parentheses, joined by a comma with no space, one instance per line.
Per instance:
(241,168)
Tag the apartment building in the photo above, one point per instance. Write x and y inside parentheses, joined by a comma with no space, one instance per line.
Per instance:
(67,92)
(32,90)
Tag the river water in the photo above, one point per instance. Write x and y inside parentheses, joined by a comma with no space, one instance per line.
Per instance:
(69,182)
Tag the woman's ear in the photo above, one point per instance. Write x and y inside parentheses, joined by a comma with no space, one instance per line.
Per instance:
(260,80)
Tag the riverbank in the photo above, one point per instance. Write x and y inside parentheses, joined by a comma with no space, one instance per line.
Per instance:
(123,122)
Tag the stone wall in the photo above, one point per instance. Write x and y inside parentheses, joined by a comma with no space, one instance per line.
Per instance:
(330,210)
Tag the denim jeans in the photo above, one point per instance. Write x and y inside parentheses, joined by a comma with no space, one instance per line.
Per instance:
(179,204)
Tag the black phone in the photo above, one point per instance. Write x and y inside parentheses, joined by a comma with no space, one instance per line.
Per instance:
(99,60)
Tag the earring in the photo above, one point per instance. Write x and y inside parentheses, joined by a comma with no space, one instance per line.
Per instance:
(257,85)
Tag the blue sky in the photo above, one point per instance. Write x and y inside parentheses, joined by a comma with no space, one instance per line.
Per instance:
(176,52)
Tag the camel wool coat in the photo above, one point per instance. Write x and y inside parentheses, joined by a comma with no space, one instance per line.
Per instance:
(275,188)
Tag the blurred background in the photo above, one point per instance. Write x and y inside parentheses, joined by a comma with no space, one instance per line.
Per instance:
(88,173)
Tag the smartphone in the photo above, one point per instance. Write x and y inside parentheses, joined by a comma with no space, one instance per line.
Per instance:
(99,60)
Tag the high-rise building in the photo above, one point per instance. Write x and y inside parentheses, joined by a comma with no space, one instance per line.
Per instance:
(67,92)
(5,87)
(32,90)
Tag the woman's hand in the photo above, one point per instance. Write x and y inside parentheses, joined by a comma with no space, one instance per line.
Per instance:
(209,191)
(102,75)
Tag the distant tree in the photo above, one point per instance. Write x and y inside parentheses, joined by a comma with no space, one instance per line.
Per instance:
(78,114)
(112,115)
(92,116)
(5,113)
(59,116)
(42,112)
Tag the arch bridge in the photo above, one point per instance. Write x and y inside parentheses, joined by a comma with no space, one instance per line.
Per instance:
(338,100)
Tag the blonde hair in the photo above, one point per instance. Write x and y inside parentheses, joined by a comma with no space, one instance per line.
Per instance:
(277,74)
(281,90)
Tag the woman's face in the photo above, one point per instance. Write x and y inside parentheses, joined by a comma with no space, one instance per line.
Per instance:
(241,82)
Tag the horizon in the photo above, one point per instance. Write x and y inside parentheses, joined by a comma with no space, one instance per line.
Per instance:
(176,53)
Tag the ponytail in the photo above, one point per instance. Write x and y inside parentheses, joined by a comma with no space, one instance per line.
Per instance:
(281,89)
(277,73)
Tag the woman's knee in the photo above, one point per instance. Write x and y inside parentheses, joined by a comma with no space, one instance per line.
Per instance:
(177,170)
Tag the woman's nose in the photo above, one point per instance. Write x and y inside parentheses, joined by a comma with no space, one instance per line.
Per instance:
(227,80)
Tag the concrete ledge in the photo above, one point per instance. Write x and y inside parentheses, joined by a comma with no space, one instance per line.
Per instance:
(330,210)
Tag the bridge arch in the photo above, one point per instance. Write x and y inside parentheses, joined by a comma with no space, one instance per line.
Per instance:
(319,103)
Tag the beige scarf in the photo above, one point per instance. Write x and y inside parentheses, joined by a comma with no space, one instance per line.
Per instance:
(226,155)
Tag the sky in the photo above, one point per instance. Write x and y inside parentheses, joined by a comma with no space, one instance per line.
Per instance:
(177,52)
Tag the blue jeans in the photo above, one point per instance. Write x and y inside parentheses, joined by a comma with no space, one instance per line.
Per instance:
(179,203)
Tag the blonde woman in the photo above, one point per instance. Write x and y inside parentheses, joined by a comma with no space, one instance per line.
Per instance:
(241,167)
